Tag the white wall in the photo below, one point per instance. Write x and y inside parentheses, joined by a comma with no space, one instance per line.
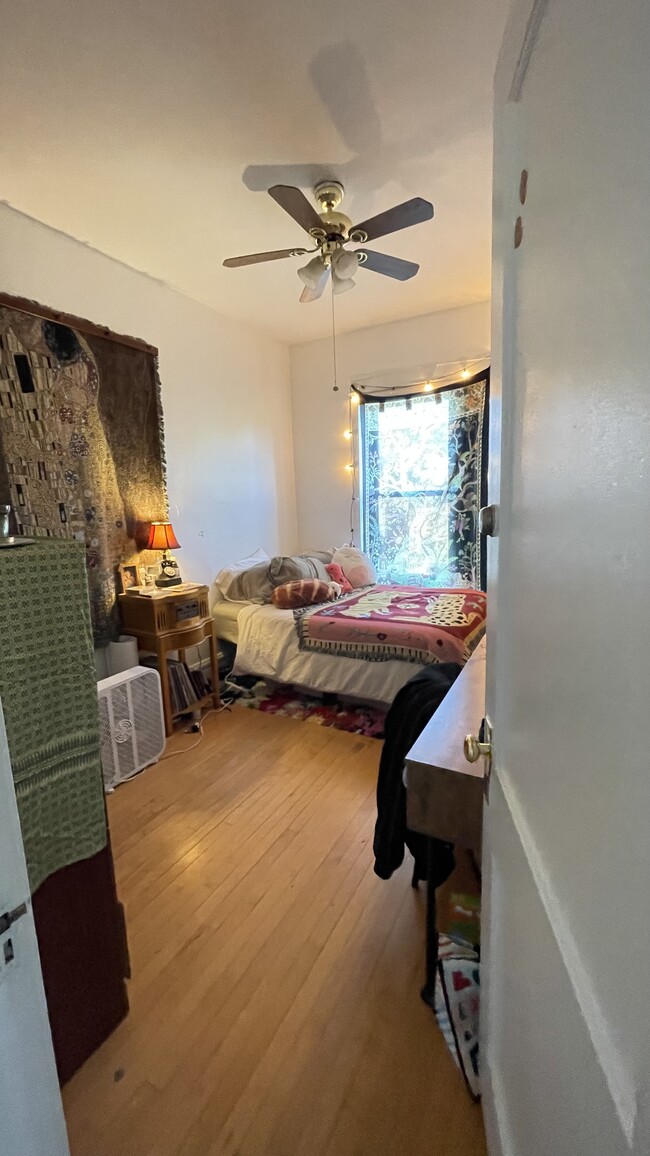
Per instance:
(569,660)
(225,391)
(323,486)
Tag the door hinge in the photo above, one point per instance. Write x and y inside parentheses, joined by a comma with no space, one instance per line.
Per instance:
(9,918)
(487,521)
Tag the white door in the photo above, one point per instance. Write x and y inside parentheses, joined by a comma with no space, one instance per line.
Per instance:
(566,1010)
(31,1115)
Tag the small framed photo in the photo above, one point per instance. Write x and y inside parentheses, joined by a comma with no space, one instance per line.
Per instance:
(128,578)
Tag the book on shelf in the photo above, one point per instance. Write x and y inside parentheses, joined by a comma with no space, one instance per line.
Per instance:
(186,687)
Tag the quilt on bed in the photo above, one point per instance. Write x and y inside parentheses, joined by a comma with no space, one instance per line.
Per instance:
(383,623)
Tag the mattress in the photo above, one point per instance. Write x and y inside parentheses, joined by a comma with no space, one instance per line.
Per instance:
(226,616)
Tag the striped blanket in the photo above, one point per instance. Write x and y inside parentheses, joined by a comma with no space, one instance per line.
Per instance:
(407,623)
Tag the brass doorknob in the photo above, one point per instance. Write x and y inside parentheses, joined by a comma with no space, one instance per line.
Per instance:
(474,749)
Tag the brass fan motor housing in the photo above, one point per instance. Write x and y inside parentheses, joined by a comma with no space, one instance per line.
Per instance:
(334,225)
(329,195)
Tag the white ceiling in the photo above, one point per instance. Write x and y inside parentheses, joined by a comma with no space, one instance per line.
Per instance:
(150,128)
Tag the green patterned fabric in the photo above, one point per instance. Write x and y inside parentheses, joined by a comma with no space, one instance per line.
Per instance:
(49,697)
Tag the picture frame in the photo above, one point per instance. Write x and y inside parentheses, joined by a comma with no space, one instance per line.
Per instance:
(128,578)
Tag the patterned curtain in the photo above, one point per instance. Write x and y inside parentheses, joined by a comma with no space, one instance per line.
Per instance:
(424,474)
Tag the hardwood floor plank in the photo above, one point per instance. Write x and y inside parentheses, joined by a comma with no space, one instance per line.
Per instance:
(274,999)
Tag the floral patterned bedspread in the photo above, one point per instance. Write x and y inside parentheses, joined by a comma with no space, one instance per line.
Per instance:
(407,623)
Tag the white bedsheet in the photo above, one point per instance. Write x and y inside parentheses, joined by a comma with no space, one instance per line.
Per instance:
(268,646)
(226,615)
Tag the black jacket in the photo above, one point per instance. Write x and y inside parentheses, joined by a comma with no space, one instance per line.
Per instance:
(411,710)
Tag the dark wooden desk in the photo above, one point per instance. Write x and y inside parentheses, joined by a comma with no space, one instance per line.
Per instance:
(444,793)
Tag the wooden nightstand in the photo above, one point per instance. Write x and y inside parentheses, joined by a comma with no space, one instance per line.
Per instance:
(172,620)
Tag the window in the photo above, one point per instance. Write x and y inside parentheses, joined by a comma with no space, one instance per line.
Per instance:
(423,470)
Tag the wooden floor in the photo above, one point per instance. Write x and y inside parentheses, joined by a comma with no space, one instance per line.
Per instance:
(274,998)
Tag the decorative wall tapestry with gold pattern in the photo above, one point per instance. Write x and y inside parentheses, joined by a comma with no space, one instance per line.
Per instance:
(81,446)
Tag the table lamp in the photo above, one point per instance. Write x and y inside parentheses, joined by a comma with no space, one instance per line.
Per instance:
(162,537)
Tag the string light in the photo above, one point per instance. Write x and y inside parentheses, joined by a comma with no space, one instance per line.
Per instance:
(353,399)
(432,386)
(457,370)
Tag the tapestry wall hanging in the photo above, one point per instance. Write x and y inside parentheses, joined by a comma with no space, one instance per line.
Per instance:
(81,445)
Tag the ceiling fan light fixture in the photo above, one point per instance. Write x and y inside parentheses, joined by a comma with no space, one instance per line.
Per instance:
(341,284)
(311,273)
(345,264)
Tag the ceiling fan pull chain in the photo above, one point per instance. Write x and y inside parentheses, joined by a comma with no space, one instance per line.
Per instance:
(335,387)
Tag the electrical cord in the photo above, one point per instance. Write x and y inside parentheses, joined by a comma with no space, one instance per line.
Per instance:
(239,691)
(225,705)
(198,725)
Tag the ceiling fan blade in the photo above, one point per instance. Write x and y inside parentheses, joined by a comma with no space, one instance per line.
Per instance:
(255,258)
(295,203)
(309,295)
(400,217)
(389,266)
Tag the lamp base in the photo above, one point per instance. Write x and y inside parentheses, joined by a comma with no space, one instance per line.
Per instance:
(169,572)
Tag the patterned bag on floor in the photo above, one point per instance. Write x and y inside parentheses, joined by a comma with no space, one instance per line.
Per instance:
(457,1007)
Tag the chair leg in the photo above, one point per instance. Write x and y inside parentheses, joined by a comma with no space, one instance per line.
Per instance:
(428,992)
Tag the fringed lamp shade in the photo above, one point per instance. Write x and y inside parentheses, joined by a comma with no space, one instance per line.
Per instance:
(162,537)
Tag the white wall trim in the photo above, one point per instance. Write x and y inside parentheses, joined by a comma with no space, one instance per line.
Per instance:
(519,40)
(616,1068)
(495,1115)
(527,48)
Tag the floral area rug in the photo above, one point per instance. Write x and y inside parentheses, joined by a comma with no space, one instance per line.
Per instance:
(327,711)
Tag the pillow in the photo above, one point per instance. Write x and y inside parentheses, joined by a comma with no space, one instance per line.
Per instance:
(336,574)
(227,575)
(324,556)
(306,592)
(252,585)
(356,566)
(294,567)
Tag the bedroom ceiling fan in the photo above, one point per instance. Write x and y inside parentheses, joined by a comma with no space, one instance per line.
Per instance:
(332,231)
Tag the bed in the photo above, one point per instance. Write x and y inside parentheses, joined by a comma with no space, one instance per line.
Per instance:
(365,646)
(226,620)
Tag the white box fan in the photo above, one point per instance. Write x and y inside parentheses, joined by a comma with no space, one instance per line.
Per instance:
(131,723)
